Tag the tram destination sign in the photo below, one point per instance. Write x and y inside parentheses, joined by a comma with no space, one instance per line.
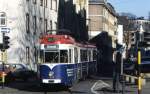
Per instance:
(51,46)
(51,39)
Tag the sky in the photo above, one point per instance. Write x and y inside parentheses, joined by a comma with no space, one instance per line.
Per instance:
(137,7)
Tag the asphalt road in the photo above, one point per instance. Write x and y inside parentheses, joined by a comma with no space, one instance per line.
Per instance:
(89,86)
(20,87)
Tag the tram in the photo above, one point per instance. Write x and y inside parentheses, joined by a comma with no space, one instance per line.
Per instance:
(64,61)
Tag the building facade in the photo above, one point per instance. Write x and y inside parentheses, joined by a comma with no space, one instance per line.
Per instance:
(28,20)
(102,18)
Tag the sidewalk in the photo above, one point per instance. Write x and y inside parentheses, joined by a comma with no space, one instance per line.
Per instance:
(104,86)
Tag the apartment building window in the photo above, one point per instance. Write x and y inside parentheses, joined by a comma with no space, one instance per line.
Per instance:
(34,1)
(27,55)
(51,25)
(51,4)
(35,54)
(27,23)
(55,25)
(56,5)
(41,24)
(45,25)
(45,3)
(34,24)
(2,19)
(41,2)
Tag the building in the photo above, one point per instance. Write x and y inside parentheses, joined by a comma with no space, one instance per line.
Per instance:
(28,20)
(103,30)
(72,19)
(102,18)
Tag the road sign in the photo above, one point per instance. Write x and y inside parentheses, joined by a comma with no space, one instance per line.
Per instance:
(4,29)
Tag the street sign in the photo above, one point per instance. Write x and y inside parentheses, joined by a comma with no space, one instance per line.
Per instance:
(4,29)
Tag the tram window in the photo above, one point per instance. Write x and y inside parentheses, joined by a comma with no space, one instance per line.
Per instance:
(52,57)
(70,56)
(89,55)
(76,55)
(63,56)
(84,55)
(94,54)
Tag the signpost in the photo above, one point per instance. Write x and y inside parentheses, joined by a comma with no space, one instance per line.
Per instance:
(4,29)
(4,41)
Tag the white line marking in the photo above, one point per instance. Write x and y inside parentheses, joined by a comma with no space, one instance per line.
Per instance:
(98,86)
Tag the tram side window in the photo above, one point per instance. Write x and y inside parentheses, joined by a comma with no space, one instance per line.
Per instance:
(84,55)
(94,54)
(76,55)
(70,56)
(63,56)
(89,55)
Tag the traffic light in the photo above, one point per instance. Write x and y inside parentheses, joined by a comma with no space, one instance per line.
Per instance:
(5,42)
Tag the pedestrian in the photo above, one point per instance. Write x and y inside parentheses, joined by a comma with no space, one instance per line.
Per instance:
(116,70)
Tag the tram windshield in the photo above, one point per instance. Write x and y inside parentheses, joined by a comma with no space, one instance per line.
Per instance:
(60,56)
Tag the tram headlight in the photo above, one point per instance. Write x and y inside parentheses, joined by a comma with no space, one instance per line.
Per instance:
(51,74)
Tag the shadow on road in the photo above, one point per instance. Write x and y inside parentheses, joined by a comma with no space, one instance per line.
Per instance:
(119,91)
(34,87)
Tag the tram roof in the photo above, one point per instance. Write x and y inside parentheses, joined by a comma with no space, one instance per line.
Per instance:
(63,39)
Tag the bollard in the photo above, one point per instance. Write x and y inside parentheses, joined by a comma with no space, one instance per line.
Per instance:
(139,72)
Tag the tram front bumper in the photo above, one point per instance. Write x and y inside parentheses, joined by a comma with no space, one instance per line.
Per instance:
(52,81)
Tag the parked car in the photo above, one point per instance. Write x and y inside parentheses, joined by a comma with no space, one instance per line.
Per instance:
(20,71)
(145,65)
(130,66)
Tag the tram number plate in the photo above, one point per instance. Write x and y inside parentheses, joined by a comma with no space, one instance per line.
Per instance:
(51,46)
(51,81)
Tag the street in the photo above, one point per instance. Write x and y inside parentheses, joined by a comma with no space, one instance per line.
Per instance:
(100,85)
(31,87)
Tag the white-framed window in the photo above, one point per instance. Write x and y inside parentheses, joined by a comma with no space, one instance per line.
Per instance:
(27,23)
(51,25)
(55,25)
(45,25)
(41,24)
(34,1)
(34,24)
(45,3)
(56,5)
(53,5)
(2,19)
(41,2)
(27,55)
